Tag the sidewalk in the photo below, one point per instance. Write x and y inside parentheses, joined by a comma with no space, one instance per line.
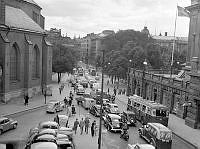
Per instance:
(177,125)
(17,105)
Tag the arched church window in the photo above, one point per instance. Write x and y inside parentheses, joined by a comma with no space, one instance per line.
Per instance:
(35,62)
(13,62)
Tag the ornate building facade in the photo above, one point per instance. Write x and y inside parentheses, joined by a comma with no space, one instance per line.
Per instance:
(25,55)
(182,93)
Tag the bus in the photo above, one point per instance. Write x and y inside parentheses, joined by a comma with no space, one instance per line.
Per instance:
(148,111)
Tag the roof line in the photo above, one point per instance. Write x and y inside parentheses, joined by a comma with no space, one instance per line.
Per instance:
(26,30)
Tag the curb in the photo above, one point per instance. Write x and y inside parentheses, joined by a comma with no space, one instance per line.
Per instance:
(195,147)
(24,111)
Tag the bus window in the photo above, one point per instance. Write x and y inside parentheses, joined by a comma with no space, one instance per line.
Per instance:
(162,113)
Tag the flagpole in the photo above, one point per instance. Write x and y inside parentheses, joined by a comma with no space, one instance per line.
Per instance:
(173,48)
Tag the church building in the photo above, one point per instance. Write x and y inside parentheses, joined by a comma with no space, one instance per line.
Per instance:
(25,55)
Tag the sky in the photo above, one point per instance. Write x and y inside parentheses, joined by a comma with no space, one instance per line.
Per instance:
(80,17)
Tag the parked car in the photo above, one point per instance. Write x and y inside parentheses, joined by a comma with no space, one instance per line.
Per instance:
(43,125)
(95,110)
(7,124)
(80,90)
(81,98)
(112,122)
(43,145)
(84,83)
(112,108)
(140,146)
(88,102)
(54,106)
(157,135)
(129,117)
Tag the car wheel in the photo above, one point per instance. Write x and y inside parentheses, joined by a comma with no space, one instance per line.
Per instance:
(14,126)
(1,131)
(140,133)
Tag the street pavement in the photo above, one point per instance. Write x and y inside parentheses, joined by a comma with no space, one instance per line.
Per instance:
(175,124)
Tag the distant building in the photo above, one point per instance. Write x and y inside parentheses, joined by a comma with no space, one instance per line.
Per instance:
(54,36)
(25,54)
(181,43)
(91,46)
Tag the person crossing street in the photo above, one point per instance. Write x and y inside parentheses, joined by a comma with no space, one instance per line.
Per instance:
(82,124)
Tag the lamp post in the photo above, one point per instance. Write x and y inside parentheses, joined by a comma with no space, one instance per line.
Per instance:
(143,76)
(101,102)
(128,78)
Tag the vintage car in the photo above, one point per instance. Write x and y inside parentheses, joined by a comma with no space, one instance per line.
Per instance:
(95,110)
(129,117)
(112,122)
(81,98)
(84,83)
(7,124)
(63,141)
(157,135)
(80,90)
(43,125)
(140,146)
(87,103)
(63,120)
(112,108)
(54,106)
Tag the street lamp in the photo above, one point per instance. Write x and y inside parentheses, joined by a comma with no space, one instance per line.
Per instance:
(143,76)
(128,78)
(101,102)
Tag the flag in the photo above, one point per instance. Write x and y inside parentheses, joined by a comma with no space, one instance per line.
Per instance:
(182,12)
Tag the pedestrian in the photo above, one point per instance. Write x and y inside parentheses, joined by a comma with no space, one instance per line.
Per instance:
(26,98)
(108,90)
(56,119)
(87,123)
(107,82)
(66,102)
(71,95)
(60,90)
(115,91)
(93,128)
(81,124)
(73,110)
(70,102)
(76,123)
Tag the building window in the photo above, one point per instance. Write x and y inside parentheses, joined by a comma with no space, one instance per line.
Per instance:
(35,63)
(13,63)
(35,17)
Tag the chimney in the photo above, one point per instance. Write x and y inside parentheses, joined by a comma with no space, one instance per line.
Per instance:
(165,33)
(2,11)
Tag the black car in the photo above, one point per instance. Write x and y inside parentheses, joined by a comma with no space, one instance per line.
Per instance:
(95,110)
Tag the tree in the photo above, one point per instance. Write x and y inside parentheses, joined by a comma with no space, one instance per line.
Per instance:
(64,59)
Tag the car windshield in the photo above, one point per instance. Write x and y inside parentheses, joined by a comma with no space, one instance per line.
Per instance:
(50,126)
(165,135)
(161,112)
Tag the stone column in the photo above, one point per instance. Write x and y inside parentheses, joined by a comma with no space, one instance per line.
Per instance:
(5,51)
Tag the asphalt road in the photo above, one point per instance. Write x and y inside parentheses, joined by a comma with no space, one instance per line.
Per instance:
(31,119)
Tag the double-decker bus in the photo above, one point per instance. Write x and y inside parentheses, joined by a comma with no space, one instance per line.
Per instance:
(148,111)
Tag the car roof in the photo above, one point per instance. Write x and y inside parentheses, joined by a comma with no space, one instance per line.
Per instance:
(159,126)
(3,118)
(48,123)
(114,116)
(46,136)
(44,145)
(53,101)
(52,131)
(112,104)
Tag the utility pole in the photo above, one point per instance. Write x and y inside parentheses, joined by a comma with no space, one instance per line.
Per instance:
(101,102)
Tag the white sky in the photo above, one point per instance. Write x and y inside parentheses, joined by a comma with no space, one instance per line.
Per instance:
(80,17)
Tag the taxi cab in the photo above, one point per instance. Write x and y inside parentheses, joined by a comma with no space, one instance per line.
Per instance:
(129,117)
(112,108)
(54,106)
(157,135)
(112,122)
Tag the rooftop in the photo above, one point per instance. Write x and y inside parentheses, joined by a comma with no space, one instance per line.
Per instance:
(32,2)
(170,38)
(16,18)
